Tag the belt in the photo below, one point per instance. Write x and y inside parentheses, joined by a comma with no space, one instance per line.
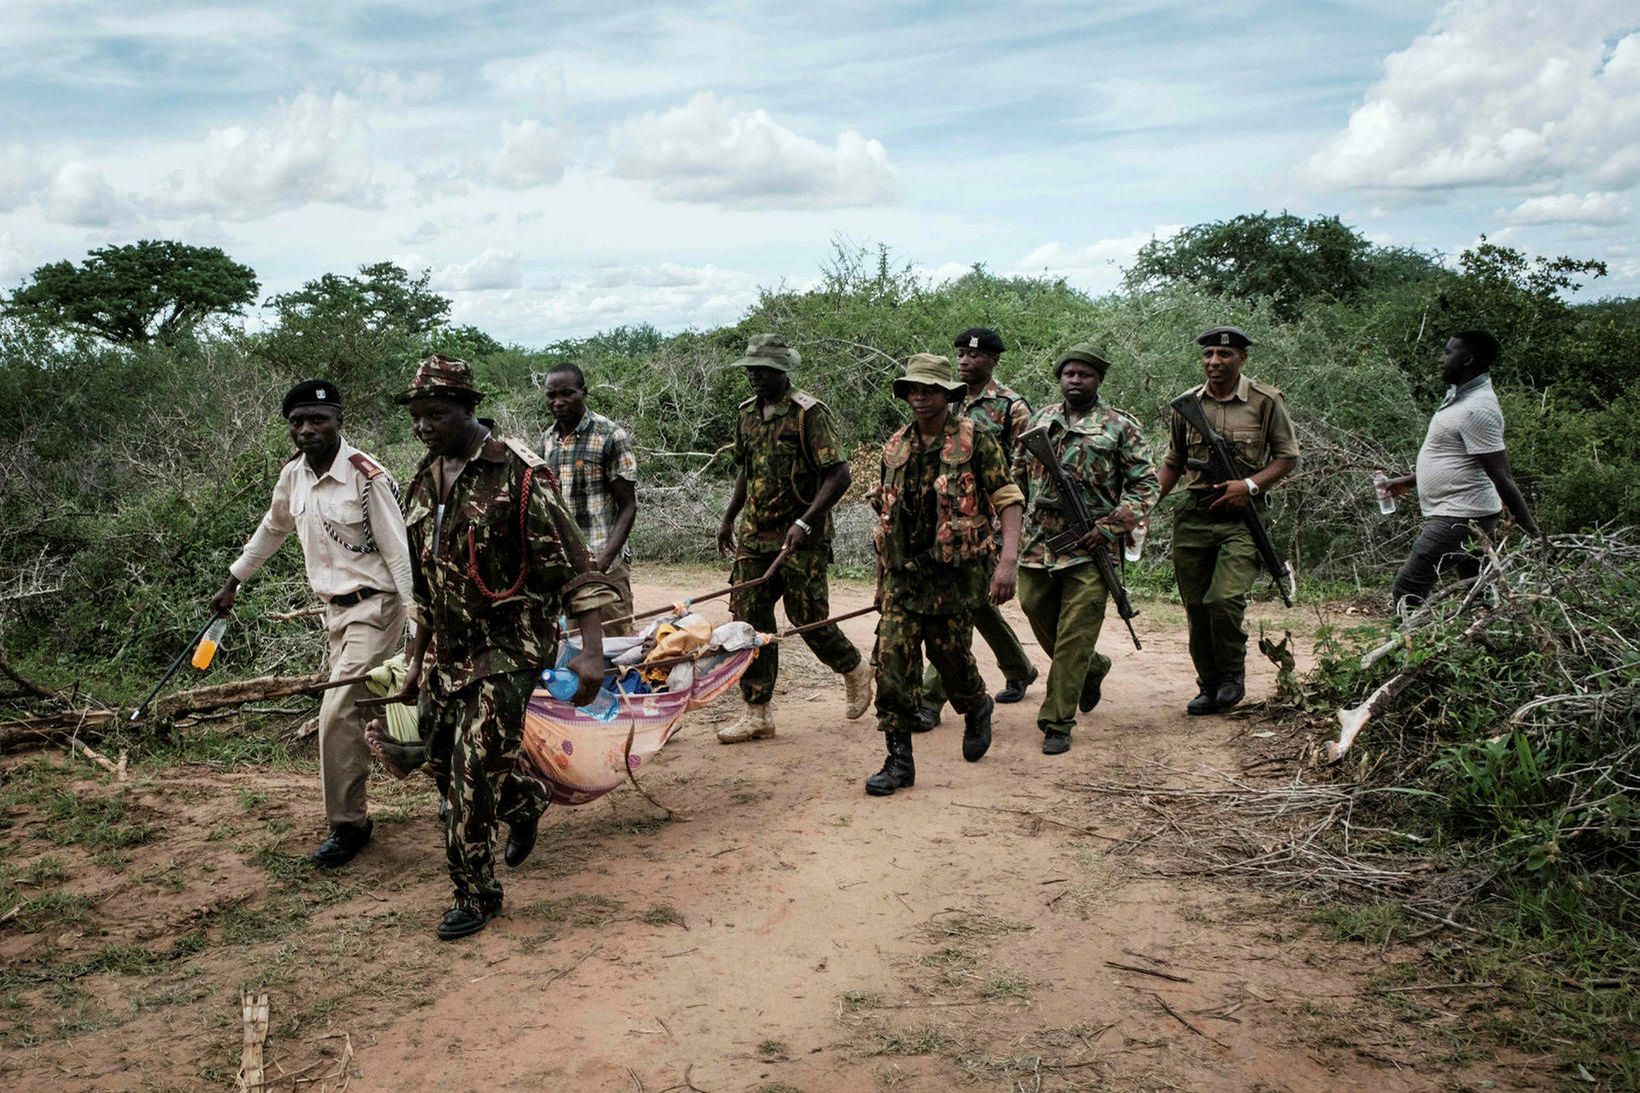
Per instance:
(348,599)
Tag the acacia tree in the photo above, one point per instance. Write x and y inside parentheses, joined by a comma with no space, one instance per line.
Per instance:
(136,293)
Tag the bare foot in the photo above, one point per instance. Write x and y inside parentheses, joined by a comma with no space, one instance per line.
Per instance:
(389,752)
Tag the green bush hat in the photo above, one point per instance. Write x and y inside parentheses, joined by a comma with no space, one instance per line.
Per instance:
(1087,353)
(769,351)
(931,370)
(1225,335)
(443,377)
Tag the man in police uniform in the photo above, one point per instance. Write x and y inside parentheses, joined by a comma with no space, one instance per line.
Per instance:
(791,474)
(1214,559)
(1004,413)
(344,509)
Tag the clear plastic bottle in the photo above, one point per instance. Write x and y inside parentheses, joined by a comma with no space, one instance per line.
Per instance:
(205,651)
(1386,502)
(1133,549)
(561,683)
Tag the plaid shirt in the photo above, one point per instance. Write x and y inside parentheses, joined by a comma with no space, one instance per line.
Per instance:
(597,451)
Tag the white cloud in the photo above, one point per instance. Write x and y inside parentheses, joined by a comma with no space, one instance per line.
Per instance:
(22,175)
(13,265)
(81,195)
(426,232)
(531,155)
(1600,207)
(398,91)
(1499,93)
(492,269)
(313,149)
(707,151)
(1094,267)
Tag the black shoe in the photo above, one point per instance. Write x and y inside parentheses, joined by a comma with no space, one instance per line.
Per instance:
(344,841)
(976,733)
(899,770)
(1056,743)
(463,921)
(520,841)
(1014,689)
(1230,692)
(927,718)
(1092,691)
(1204,702)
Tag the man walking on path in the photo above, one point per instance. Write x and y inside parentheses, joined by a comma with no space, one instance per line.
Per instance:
(791,474)
(1463,476)
(1004,413)
(344,510)
(942,490)
(1214,559)
(497,559)
(1061,591)
(597,475)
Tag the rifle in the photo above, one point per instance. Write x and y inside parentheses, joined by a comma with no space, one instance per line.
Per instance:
(1079,521)
(136,714)
(1220,467)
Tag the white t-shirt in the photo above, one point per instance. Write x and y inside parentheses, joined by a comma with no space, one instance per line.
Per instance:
(1451,480)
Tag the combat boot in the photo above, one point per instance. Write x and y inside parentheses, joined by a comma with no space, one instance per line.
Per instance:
(1014,689)
(899,771)
(976,733)
(1231,690)
(1204,702)
(927,718)
(755,724)
(857,688)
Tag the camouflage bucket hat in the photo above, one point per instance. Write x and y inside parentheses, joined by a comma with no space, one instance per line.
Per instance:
(445,377)
(769,351)
(926,368)
(1085,353)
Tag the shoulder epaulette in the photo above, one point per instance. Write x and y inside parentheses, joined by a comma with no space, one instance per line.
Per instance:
(366,466)
(525,452)
(805,400)
(1267,389)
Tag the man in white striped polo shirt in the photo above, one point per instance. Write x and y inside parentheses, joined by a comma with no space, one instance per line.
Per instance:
(1463,474)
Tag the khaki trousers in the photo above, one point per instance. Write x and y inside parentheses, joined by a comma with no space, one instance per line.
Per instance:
(361,637)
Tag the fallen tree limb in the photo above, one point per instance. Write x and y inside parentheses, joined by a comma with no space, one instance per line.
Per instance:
(29,686)
(246,690)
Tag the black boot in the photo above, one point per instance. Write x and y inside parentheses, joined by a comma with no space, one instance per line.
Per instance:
(1093,689)
(976,734)
(464,921)
(899,771)
(1230,691)
(520,841)
(927,718)
(345,841)
(1014,689)
(1204,702)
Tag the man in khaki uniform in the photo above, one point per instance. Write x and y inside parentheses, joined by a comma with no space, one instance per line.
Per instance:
(344,509)
(1214,559)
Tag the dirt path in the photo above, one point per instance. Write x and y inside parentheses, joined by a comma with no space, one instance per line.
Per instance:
(791,933)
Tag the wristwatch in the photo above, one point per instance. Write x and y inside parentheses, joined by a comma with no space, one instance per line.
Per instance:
(800,522)
(1252,487)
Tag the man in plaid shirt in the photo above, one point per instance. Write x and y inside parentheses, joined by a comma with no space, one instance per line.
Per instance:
(597,475)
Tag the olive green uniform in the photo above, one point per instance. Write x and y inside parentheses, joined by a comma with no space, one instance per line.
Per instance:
(1004,413)
(936,512)
(1214,559)
(1061,591)
(784,454)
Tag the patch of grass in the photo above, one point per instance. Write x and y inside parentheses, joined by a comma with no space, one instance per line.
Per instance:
(855,1001)
(1376,922)
(121,960)
(52,909)
(282,864)
(954,965)
(252,799)
(971,925)
(577,909)
(661,914)
(103,822)
(773,1051)
(1005,983)
(916,1040)
(45,870)
(275,919)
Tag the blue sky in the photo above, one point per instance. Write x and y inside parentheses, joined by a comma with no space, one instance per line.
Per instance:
(562,168)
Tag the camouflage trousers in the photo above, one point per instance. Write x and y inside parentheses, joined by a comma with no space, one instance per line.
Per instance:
(902,636)
(473,740)
(801,582)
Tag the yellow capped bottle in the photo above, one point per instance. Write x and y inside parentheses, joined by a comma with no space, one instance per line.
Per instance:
(206,650)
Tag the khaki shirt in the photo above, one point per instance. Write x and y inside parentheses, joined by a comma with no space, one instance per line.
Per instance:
(327,514)
(1253,419)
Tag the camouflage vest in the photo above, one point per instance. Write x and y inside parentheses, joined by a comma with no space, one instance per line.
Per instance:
(964,530)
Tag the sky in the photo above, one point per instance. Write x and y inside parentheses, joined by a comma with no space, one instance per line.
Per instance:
(562,168)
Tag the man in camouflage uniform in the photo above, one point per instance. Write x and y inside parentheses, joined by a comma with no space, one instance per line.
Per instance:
(1214,559)
(1062,591)
(497,557)
(791,474)
(942,489)
(1004,413)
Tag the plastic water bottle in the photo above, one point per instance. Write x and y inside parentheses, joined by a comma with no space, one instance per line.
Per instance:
(205,651)
(1386,503)
(1134,548)
(561,683)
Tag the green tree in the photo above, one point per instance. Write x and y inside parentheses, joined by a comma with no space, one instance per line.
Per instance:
(137,293)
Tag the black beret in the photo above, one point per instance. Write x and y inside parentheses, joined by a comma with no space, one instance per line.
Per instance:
(311,393)
(1225,335)
(982,338)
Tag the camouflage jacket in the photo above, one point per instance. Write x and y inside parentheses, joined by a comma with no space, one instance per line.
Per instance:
(935,509)
(489,612)
(1106,453)
(1003,411)
(783,458)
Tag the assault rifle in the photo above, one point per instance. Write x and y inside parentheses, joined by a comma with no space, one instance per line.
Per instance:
(1078,522)
(1220,467)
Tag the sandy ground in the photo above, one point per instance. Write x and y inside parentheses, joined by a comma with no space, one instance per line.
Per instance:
(784,931)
